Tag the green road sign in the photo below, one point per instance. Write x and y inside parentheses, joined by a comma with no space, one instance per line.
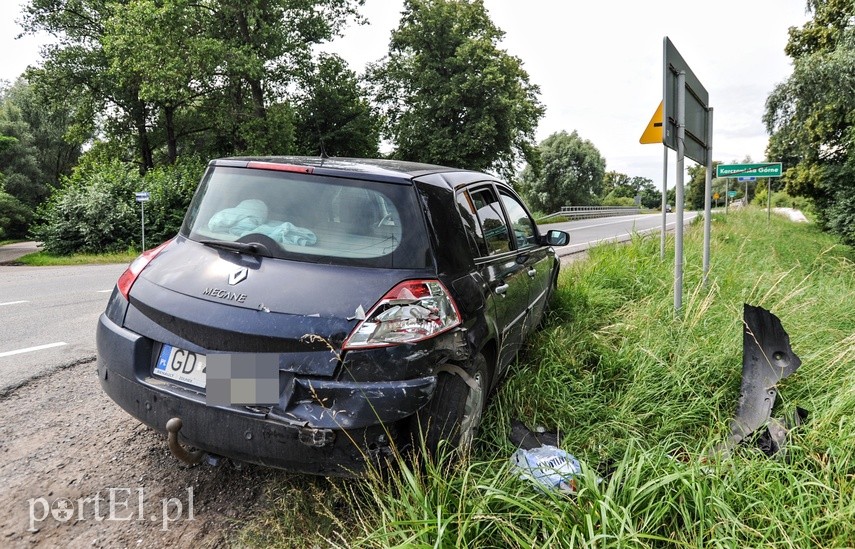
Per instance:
(731,194)
(771,169)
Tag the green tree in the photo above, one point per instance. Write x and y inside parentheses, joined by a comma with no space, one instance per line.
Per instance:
(644,187)
(164,50)
(696,187)
(34,154)
(450,94)
(22,175)
(153,74)
(15,217)
(618,185)
(56,150)
(571,173)
(76,70)
(332,116)
(811,115)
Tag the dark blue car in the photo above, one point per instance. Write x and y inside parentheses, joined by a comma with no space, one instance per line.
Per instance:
(313,312)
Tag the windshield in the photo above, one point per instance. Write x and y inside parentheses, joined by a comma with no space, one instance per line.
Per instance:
(309,217)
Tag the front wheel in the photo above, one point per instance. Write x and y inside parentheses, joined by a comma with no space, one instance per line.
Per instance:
(454,413)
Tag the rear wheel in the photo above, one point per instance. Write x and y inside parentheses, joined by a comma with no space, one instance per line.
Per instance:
(454,413)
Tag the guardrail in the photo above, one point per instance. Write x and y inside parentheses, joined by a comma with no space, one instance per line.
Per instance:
(588,212)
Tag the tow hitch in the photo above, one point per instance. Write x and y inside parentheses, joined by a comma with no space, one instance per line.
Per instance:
(190,458)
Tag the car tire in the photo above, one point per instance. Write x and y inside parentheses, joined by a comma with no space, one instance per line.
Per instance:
(550,295)
(451,419)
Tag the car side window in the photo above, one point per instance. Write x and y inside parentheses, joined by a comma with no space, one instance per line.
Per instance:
(521,224)
(470,224)
(493,225)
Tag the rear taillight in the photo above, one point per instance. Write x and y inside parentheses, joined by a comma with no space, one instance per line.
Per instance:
(136,267)
(412,311)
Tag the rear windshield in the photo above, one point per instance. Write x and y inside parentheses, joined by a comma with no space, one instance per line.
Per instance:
(310,218)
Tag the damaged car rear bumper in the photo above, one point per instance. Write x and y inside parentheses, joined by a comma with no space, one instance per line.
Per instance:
(320,426)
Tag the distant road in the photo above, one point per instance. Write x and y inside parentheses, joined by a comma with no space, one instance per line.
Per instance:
(11,252)
(586,233)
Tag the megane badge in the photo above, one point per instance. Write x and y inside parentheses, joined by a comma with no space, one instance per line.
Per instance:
(238,276)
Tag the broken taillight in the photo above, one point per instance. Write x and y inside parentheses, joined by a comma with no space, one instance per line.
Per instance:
(135,268)
(412,311)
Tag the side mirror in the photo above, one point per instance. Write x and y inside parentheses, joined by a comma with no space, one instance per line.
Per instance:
(556,238)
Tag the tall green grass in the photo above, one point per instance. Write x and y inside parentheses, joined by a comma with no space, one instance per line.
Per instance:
(641,395)
(45,259)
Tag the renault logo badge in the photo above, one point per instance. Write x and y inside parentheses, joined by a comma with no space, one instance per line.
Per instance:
(238,276)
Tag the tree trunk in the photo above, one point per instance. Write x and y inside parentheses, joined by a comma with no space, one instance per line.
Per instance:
(257,97)
(146,157)
(171,143)
(254,83)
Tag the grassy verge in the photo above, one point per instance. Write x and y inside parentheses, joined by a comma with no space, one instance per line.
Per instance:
(641,395)
(547,220)
(43,259)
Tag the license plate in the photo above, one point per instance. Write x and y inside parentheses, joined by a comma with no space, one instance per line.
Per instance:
(180,365)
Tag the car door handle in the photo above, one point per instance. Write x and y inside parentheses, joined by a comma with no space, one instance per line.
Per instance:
(501,290)
(532,272)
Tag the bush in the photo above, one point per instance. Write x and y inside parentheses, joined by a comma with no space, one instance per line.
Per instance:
(780,200)
(94,211)
(623,201)
(15,217)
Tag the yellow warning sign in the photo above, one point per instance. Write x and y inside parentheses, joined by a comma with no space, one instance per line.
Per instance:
(653,132)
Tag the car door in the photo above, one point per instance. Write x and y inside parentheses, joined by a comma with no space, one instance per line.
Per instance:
(538,261)
(499,265)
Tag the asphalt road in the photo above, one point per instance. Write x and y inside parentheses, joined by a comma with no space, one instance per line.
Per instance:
(48,314)
(48,317)
(586,233)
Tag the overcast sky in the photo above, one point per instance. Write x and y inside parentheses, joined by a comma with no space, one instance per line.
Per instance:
(598,64)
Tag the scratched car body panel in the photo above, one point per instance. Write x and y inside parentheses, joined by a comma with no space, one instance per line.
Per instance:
(389,298)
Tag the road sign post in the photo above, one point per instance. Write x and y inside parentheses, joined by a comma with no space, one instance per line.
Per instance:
(142,198)
(708,200)
(686,128)
(681,158)
(769,200)
(683,122)
(664,203)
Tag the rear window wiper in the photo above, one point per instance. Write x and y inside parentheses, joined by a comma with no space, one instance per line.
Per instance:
(254,248)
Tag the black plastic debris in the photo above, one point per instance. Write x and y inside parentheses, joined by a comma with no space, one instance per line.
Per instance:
(773,438)
(767,358)
(523,437)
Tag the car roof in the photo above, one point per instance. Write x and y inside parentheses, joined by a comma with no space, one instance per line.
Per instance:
(365,168)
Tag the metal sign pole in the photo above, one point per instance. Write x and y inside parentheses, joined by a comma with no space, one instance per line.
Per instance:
(708,199)
(664,202)
(142,217)
(769,201)
(726,193)
(681,153)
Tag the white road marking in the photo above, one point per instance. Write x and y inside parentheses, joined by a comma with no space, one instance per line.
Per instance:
(13,303)
(104,291)
(585,245)
(625,218)
(31,349)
